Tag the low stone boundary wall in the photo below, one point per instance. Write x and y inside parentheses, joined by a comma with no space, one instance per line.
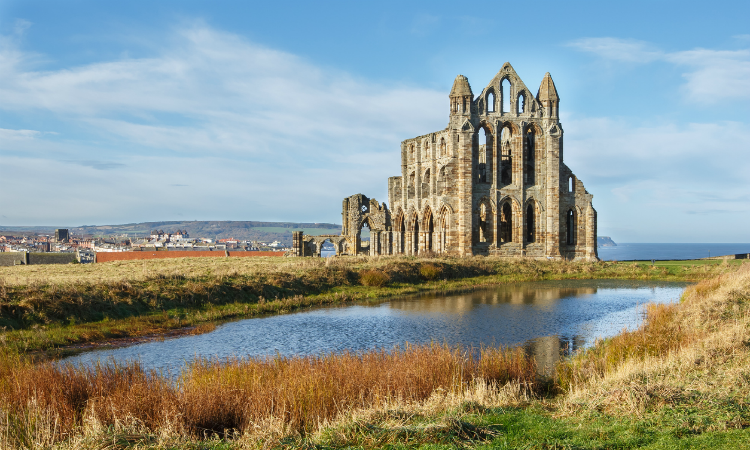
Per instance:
(12,258)
(19,258)
(735,256)
(130,256)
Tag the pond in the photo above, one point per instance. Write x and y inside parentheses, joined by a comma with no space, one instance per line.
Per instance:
(548,318)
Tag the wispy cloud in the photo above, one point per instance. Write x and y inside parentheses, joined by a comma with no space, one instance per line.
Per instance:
(713,76)
(209,105)
(98,165)
(662,181)
(221,92)
(624,50)
(7,134)
(425,24)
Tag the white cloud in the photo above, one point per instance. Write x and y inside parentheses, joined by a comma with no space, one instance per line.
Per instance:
(624,50)
(7,135)
(224,92)
(716,76)
(210,107)
(663,182)
(713,76)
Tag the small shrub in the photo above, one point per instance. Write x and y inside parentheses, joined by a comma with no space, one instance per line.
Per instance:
(430,271)
(373,278)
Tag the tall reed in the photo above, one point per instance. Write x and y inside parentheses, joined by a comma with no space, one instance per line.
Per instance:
(217,397)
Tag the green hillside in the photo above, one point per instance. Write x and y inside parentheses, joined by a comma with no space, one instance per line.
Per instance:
(244,230)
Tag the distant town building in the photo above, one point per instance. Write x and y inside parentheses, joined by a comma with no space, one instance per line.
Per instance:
(62,235)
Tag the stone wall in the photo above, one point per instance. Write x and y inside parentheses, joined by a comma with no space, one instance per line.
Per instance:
(12,258)
(19,258)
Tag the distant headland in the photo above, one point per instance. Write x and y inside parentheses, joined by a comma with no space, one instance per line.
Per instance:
(605,241)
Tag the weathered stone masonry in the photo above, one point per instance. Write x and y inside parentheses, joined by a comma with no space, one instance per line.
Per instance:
(493,182)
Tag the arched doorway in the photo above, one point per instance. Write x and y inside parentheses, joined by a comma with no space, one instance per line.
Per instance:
(415,240)
(402,236)
(327,248)
(442,243)
(430,232)
(363,238)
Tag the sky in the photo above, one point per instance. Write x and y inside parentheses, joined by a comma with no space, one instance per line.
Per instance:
(129,111)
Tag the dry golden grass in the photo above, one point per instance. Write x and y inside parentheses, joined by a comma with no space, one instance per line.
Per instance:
(44,403)
(221,268)
(691,356)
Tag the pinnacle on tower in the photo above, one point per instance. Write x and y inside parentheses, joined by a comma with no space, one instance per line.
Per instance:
(547,90)
(461,87)
(461,96)
(548,97)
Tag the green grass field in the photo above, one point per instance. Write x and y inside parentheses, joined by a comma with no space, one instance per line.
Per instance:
(308,231)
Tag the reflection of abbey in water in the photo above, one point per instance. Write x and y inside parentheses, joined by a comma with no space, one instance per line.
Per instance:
(546,350)
(549,350)
(510,294)
(493,182)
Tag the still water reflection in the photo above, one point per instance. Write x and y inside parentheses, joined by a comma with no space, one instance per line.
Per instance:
(545,317)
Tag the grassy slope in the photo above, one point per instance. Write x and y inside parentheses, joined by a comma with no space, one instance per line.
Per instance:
(681,381)
(47,307)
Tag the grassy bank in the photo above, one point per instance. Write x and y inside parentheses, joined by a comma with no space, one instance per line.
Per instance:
(682,380)
(48,307)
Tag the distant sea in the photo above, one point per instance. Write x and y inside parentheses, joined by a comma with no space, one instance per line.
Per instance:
(626,252)
(630,251)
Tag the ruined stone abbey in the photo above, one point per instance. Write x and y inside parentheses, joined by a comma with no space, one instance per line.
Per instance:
(493,182)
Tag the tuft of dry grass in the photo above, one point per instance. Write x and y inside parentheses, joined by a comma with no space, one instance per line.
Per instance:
(431,271)
(373,278)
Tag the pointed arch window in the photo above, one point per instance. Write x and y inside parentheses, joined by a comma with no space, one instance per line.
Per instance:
(521,103)
(491,102)
(529,150)
(482,156)
(506,223)
(426,184)
(505,95)
(530,224)
(506,157)
(571,226)
(441,181)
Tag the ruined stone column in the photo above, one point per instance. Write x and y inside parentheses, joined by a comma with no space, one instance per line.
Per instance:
(552,235)
(591,244)
(465,183)
(297,244)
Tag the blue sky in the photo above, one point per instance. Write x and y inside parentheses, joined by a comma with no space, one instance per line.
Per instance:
(118,112)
